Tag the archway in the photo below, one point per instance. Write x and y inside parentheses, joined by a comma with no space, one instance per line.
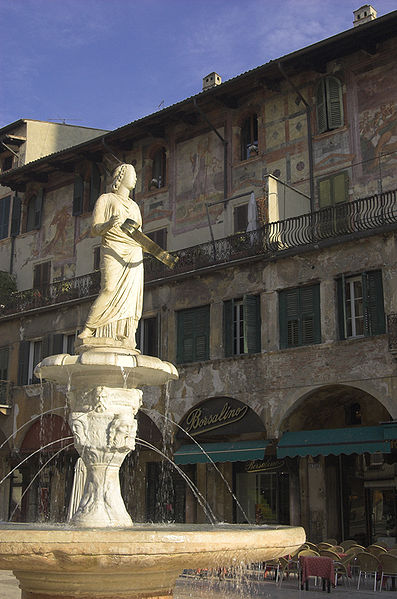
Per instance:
(341,440)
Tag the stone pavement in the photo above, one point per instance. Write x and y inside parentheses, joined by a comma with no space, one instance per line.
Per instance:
(231,589)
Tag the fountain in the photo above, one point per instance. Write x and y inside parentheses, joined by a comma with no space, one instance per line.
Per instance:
(101,553)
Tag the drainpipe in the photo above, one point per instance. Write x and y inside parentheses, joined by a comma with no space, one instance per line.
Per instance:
(309,132)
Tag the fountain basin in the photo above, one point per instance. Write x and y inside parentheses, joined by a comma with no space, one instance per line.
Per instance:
(140,562)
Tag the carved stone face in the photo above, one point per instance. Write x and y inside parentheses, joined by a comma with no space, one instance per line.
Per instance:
(129,179)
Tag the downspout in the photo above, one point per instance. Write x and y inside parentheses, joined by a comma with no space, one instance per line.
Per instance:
(225,145)
(309,132)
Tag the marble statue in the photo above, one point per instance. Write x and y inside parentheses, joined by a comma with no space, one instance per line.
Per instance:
(116,312)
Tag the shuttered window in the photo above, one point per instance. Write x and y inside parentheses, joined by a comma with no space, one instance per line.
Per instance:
(193,334)
(159,237)
(16,216)
(3,374)
(361,305)
(4,216)
(147,337)
(158,170)
(34,212)
(329,104)
(300,316)
(41,275)
(249,137)
(78,195)
(95,186)
(333,190)
(242,325)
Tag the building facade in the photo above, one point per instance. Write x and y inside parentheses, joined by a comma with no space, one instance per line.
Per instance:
(277,190)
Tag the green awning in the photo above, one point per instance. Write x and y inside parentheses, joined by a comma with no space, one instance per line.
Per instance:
(241,451)
(361,439)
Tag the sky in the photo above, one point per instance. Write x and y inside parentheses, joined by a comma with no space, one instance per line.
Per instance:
(106,63)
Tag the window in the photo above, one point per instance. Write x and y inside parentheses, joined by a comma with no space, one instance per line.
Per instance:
(249,137)
(353,414)
(300,316)
(333,190)
(240,218)
(78,195)
(7,163)
(68,343)
(159,237)
(242,325)
(3,374)
(95,185)
(329,104)
(193,327)
(4,216)
(97,257)
(35,205)
(147,336)
(41,276)
(360,305)
(32,352)
(158,170)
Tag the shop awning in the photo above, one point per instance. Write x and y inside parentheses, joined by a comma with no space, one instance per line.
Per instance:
(241,451)
(361,439)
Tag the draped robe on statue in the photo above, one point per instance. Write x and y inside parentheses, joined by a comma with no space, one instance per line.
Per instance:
(118,308)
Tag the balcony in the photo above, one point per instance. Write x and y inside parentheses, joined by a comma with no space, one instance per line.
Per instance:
(347,221)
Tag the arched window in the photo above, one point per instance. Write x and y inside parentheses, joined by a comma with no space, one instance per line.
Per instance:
(33,217)
(158,178)
(249,137)
(329,104)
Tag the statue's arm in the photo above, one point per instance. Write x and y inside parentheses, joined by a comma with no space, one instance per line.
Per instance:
(99,225)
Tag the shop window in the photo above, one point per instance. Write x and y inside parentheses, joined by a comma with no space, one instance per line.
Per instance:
(159,236)
(333,190)
(240,218)
(329,104)
(3,374)
(242,325)
(159,164)
(34,211)
(4,216)
(249,137)
(147,340)
(97,257)
(299,312)
(41,276)
(361,305)
(193,327)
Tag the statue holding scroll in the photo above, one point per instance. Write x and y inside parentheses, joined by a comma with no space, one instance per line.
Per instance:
(117,219)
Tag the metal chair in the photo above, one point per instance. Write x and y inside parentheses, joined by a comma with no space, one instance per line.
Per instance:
(287,567)
(376,550)
(368,565)
(389,567)
(347,544)
(324,545)
(331,541)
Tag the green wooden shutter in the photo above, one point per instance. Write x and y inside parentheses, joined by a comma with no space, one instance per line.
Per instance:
(252,324)
(228,327)
(4,216)
(4,364)
(324,193)
(340,190)
(23,362)
(334,102)
(310,315)
(201,333)
(340,296)
(185,336)
(95,185)
(193,334)
(289,317)
(374,313)
(78,195)
(16,216)
(321,107)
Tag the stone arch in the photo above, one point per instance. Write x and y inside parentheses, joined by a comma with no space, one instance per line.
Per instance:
(325,407)
(47,431)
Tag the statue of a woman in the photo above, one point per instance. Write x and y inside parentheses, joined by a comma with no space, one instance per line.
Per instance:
(116,311)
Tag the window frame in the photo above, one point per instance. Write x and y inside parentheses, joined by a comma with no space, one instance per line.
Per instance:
(5,209)
(249,137)
(41,278)
(146,347)
(158,178)
(193,328)
(34,210)
(329,104)
(242,325)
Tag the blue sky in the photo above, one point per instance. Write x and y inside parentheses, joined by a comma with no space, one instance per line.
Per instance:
(105,63)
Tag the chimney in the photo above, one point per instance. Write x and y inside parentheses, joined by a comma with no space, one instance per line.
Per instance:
(365,14)
(211,80)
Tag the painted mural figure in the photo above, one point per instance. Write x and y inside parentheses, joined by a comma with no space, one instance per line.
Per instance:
(116,311)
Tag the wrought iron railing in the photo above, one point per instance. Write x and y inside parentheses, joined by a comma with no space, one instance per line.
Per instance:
(392,332)
(373,213)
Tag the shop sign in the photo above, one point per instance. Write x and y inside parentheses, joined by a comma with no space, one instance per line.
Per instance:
(198,422)
(264,465)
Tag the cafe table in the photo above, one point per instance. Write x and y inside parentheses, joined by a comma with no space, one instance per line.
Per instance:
(322,567)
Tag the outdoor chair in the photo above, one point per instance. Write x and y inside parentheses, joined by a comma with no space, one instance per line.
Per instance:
(368,565)
(388,563)
(311,545)
(376,549)
(308,552)
(330,553)
(331,541)
(347,544)
(324,545)
(393,551)
(272,565)
(287,567)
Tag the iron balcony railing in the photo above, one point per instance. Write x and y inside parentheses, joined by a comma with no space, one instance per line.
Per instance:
(392,332)
(371,214)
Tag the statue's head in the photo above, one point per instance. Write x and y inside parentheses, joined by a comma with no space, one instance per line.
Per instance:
(125,175)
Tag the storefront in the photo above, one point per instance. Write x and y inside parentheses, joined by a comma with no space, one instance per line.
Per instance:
(347,480)
(233,465)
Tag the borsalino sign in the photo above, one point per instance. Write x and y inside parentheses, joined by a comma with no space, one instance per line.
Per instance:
(198,421)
